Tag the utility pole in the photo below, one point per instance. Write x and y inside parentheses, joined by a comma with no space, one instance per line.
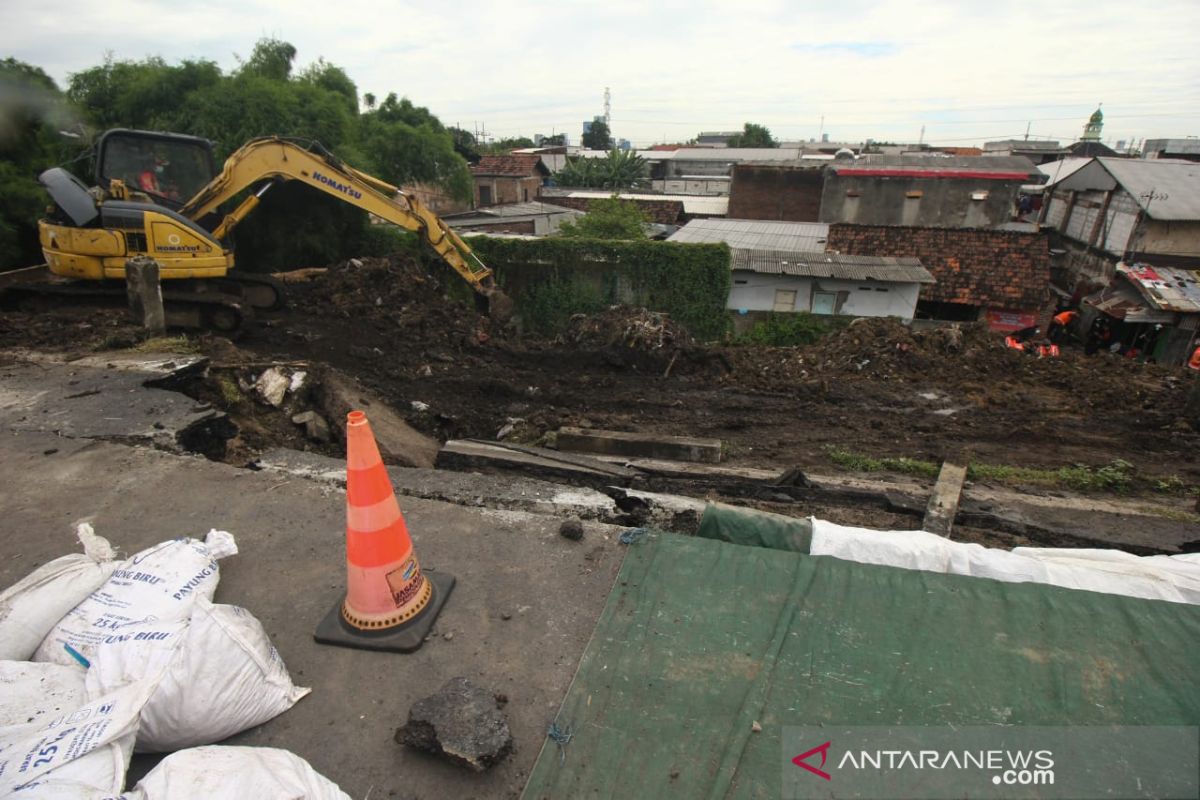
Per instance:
(1028,125)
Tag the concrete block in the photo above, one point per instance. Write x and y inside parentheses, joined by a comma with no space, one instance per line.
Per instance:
(640,445)
(943,503)
(399,443)
(144,293)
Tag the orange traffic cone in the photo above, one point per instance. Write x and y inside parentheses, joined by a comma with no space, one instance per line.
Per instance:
(390,603)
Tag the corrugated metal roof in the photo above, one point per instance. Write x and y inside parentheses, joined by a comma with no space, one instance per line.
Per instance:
(1062,169)
(1167,189)
(1170,289)
(738,154)
(530,209)
(1120,300)
(756,234)
(831,265)
(692,204)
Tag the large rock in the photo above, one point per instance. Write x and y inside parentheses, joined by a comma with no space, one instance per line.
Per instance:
(398,442)
(461,723)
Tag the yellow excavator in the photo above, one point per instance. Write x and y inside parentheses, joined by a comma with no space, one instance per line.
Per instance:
(158,196)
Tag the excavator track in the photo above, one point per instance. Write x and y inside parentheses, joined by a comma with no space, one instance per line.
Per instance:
(257,291)
(188,310)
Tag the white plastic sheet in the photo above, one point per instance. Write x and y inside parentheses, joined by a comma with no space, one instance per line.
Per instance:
(1172,578)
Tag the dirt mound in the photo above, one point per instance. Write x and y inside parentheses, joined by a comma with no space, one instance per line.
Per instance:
(622,326)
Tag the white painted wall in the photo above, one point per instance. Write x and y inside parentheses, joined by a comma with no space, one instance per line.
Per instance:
(752,291)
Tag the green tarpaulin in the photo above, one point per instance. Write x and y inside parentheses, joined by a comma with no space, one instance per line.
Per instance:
(701,639)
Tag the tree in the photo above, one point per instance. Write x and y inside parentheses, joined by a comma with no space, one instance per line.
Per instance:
(620,169)
(610,218)
(598,136)
(753,135)
(32,112)
(272,59)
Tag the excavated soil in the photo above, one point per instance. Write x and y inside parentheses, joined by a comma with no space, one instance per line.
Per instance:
(875,388)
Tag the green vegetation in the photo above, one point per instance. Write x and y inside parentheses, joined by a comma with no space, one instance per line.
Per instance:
(620,169)
(1115,477)
(609,218)
(753,135)
(552,278)
(598,137)
(791,329)
(265,95)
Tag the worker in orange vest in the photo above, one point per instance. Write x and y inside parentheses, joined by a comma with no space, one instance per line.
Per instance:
(1194,361)
(1059,325)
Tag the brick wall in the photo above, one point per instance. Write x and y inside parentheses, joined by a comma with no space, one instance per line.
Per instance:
(775,193)
(994,269)
(664,212)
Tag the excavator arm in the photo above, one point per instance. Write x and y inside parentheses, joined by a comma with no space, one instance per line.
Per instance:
(277,159)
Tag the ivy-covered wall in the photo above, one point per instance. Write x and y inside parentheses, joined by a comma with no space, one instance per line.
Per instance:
(551,279)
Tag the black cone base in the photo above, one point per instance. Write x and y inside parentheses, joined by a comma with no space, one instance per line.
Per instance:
(403,638)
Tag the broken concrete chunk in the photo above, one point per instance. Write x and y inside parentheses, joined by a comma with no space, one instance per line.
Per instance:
(317,429)
(297,382)
(398,442)
(571,529)
(272,386)
(303,417)
(460,722)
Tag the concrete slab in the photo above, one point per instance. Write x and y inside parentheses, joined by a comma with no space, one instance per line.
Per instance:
(94,403)
(290,570)
(943,503)
(537,461)
(640,445)
(399,442)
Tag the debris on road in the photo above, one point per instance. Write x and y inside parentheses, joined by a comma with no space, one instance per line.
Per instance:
(461,723)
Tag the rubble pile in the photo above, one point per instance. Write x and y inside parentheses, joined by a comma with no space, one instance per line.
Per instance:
(621,326)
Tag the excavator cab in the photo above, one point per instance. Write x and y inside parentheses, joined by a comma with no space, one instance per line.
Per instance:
(169,167)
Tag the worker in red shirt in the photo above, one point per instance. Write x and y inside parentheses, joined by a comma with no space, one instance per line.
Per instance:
(1194,361)
(1058,327)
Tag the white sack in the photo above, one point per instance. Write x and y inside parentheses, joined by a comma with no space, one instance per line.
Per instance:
(78,753)
(235,773)
(1172,578)
(216,675)
(159,584)
(35,604)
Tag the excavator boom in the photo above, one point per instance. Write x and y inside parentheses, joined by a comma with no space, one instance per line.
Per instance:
(276,159)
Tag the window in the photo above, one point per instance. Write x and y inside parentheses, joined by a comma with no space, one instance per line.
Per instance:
(485,195)
(823,302)
(524,194)
(785,300)
(741,283)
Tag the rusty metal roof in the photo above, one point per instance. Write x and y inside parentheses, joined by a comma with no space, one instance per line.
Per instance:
(831,265)
(1167,288)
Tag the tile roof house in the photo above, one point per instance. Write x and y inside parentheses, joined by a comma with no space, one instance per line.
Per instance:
(508,179)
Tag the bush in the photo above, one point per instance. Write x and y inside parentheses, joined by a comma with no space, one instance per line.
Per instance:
(791,329)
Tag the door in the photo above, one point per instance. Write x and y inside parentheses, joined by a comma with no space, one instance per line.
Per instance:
(823,302)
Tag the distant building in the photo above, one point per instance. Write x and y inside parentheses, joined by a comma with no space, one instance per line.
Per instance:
(508,179)
(776,192)
(700,170)
(1095,124)
(1153,309)
(1039,152)
(1113,209)
(781,267)
(716,138)
(530,219)
(662,209)
(1184,149)
(926,191)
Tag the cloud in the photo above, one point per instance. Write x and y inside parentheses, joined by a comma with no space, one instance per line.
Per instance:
(967,70)
(863,49)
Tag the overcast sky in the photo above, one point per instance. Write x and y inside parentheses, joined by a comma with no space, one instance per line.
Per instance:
(966,70)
